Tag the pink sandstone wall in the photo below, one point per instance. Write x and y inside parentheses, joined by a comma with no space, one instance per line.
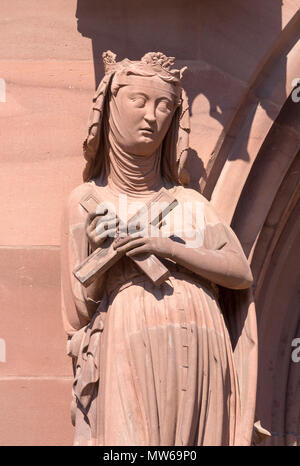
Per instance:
(242,58)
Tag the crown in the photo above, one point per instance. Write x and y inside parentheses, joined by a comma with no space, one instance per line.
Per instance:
(156,60)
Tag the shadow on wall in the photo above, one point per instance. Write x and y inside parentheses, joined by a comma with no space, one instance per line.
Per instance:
(225,43)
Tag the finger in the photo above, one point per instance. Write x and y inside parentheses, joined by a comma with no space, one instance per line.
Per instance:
(122,240)
(108,217)
(97,220)
(92,225)
(111,232)
(132,244)
(92,215)
(139,250)
(98,241)
(94,234)
(105,227)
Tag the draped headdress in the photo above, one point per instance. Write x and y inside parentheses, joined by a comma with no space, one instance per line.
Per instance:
(176,142)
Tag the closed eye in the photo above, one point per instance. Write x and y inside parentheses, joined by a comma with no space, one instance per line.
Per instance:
(138,101)
(165,105)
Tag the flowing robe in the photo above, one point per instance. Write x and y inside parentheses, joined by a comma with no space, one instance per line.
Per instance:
(168,365)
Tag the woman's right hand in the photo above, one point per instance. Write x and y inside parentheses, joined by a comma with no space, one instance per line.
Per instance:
(101,226)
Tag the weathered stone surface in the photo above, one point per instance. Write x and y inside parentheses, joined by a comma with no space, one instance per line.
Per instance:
(31,322)
(35,411)
(44,107)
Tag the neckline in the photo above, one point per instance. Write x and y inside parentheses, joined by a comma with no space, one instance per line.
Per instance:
(166,185)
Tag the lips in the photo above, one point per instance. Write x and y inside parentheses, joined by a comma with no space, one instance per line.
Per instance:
(147,130)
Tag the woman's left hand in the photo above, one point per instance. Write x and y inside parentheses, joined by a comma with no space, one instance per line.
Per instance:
(132,245)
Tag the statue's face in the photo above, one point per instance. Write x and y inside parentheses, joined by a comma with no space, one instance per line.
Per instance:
(144,113)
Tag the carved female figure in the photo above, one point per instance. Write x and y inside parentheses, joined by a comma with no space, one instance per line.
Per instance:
(173,364)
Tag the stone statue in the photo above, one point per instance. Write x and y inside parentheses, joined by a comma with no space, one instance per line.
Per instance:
(155,364)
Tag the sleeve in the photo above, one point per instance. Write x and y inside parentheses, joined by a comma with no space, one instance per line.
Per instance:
(221,239)
(238,309)
(78,303)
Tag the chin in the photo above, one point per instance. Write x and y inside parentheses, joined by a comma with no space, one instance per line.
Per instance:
(144,147)
(146,139)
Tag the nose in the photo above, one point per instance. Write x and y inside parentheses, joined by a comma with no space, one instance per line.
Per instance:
(150,114)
